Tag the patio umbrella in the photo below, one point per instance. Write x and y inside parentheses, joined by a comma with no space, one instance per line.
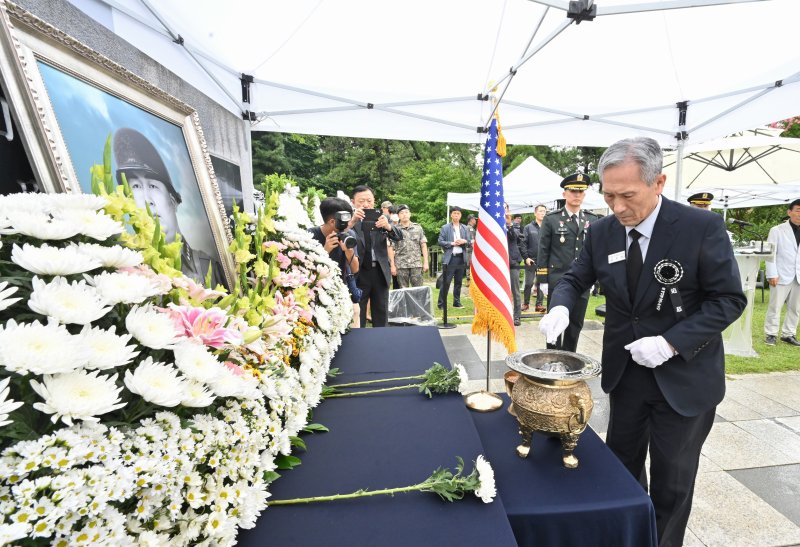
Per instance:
(739,163)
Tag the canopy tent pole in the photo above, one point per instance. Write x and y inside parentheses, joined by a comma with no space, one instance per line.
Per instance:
(649,6)
(681,137)
(178,39)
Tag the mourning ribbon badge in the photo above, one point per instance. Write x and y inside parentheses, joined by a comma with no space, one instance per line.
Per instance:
(668,272)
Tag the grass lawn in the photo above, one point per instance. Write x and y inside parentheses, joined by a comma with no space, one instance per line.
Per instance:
(778,358)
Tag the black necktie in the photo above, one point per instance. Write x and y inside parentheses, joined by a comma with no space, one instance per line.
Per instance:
(366,262)
(634,264)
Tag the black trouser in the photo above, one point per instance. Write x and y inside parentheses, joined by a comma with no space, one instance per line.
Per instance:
(569,340)
(376,293)
(531,280)
(453,270)
(640,417)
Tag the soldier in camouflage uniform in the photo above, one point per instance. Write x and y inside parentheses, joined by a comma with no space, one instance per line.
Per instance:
(561,239)
(411,252)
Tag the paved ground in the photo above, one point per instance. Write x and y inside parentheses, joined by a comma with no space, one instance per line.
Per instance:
(748,487)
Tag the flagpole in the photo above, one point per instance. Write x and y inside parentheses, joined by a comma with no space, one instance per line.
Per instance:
(488,356)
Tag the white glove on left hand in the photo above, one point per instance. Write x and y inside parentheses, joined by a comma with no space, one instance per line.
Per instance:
(650,351)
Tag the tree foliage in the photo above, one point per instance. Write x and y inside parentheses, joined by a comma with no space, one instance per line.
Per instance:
(424,185)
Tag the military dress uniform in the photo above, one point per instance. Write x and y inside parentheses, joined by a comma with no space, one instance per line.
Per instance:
(561,239)
(408,255)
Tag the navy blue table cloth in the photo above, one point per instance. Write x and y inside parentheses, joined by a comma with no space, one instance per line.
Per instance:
(597,504)
(399,438)
(382,441)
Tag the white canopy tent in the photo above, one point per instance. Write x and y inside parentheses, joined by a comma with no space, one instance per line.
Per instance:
(670,69)
(528,185)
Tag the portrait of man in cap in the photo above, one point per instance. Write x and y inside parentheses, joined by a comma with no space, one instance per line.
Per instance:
(150,181)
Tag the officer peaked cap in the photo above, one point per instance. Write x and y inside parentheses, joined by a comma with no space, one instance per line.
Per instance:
(134,153)
(701,198)
(576,181)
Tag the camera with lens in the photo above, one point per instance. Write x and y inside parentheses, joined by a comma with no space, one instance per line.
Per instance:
(342,219)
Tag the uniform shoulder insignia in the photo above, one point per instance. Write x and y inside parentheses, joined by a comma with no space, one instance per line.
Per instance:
(551,213)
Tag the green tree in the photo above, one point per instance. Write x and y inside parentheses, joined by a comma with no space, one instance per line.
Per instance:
(423,186)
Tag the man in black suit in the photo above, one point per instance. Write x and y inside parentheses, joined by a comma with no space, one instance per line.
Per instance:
(375,275)
(672,286)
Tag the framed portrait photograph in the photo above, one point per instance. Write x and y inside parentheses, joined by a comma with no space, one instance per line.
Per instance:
(229,180)
(74,99)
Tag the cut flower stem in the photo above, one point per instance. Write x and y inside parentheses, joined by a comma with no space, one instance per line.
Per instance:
(368,382)
(371,391)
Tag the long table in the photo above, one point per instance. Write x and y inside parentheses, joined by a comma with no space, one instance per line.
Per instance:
(398,439)
(387,440)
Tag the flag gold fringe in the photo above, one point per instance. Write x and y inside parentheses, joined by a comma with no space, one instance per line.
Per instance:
(501,140)
(488,318)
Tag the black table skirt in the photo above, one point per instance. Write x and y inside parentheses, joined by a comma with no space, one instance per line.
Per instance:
(387,440)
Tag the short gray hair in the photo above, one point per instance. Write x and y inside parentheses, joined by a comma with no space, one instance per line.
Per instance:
(643,151)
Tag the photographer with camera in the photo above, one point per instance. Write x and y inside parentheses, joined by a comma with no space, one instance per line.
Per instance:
(373,229)
(340,243)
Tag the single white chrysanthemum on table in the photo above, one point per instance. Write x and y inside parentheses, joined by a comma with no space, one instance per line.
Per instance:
(151,327)
(106,349)
(40,349)
(115,256)
(79,395)
(487,490)
(69,303)
(39,226)
(157,383)
(47,260)
(196,362)
(6,405)
(124,287)
(463,378)
(94,224)
(5,292)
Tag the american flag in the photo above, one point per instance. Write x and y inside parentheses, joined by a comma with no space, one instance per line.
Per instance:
(490,288)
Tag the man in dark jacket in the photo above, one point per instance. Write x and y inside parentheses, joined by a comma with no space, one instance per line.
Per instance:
(531,235)
(672,286)
(517,252)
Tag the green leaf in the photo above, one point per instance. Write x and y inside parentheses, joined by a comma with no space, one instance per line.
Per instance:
(270,476)
(287,461)
(297,442)
(315,428)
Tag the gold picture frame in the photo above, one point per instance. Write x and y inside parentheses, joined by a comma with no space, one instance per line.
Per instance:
(67,99)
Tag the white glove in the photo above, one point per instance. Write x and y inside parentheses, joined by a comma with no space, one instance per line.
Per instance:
(543,287)
(554,323)
(650,351)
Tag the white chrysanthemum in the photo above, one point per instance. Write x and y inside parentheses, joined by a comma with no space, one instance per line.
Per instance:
(195,362)
(79,395)
(39,226)
(14,531)
(47,260)
(40,349)
(76,201)
(6,406)
(124,287)
(197,395)
(157,383)
(94,224)
(230,384)
(6,302)
(115,256)
(69,303)
(106,349)
(463,378)
(486,490)
(151,327)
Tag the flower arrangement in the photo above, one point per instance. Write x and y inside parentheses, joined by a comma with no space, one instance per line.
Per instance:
(137,406)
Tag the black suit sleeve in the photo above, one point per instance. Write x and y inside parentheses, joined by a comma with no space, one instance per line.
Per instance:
(723,301)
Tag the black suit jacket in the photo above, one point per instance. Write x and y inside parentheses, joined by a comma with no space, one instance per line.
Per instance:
(378,238)
(693,381)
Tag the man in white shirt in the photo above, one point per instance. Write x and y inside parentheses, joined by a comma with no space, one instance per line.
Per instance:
(783,275)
